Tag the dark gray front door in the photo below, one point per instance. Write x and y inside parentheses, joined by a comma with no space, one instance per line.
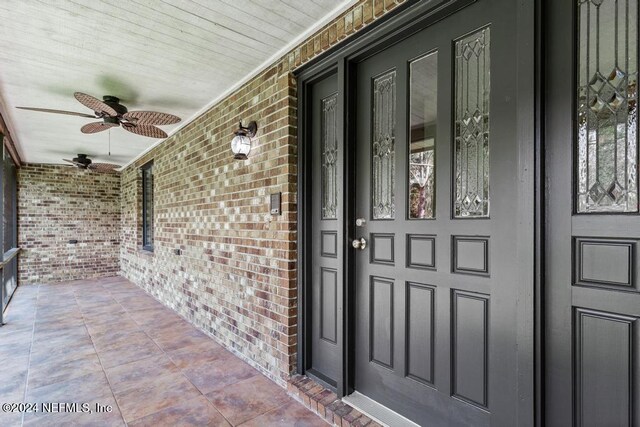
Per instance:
(592,294)
(436,255)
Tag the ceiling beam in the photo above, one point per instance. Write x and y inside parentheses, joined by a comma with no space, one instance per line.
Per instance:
(9,143)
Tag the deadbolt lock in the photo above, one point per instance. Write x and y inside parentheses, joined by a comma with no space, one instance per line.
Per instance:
(360,243)
(360,222)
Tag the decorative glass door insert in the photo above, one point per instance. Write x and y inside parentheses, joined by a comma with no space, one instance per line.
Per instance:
(607,140)
(472,88)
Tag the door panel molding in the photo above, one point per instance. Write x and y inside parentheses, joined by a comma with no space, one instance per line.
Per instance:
(606,263)
(470,255)
(606,368)
(421,251)
(381,325)
(470,363)
(329,242)
(382,248)
(420,365)
(328,303)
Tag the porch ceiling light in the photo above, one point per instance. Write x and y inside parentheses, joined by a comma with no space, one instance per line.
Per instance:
(241,143)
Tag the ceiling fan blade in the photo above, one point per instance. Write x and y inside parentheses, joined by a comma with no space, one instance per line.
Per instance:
(151,118)
(79,165)
(103,167)
(95,104)
(95,127)
(145,130)
(68,113)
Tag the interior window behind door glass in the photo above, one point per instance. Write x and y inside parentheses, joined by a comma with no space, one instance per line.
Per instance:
(472,126)
(422,135)
(607,106)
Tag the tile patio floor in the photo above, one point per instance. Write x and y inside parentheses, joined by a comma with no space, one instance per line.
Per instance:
(108,342)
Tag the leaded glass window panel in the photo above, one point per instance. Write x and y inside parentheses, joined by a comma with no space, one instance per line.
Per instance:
(472,93)
(607,105)
(383,146)
(423,92)
(329,157)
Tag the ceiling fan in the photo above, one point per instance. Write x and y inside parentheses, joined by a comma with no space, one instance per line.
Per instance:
(84,162)
(114,114)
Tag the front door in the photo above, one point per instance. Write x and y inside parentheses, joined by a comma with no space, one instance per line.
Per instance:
(592,292)
(436,229)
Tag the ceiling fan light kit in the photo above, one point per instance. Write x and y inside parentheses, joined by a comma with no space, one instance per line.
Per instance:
(114,114)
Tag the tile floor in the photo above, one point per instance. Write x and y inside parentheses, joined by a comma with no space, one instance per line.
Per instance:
(106,342)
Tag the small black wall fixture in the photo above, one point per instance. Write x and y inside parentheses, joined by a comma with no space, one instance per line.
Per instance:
(241,143)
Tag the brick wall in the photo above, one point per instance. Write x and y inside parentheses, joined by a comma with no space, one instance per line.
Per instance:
(60,203)
(236,277)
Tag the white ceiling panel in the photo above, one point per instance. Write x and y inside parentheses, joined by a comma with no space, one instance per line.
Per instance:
(173,56)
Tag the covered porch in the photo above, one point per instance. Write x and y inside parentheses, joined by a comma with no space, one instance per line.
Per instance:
(348,212)
(104,352)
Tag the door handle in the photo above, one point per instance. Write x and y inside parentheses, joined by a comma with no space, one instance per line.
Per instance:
(360,243)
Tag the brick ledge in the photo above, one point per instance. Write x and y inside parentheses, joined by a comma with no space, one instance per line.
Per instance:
(326,404)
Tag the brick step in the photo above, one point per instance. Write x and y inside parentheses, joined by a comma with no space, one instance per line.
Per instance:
(326,404)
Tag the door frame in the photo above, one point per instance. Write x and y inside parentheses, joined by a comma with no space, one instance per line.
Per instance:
(406,20)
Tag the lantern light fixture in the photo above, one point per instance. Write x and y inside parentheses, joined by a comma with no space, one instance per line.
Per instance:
(241,143)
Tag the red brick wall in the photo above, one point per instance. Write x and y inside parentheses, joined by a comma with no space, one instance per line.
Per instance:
(60,203)
(236,275)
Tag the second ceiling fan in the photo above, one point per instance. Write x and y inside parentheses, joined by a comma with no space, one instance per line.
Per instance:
(114,114)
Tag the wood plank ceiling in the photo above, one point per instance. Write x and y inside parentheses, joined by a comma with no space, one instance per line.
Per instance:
(174,56)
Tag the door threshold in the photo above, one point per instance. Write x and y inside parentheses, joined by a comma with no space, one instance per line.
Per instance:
(377,412)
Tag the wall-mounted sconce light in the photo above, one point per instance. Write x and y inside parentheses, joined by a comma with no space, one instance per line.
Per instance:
(241,143)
